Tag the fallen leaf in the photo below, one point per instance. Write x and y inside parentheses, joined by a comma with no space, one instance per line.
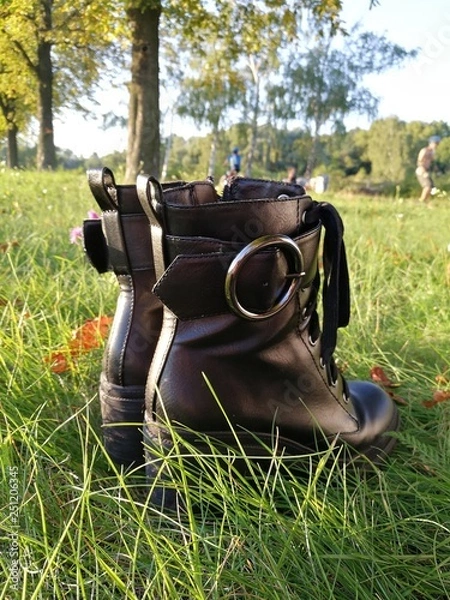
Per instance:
(396,398)
(377,374)
(90,334)
(438,397)
(58,362)
(85,338)
(8,245)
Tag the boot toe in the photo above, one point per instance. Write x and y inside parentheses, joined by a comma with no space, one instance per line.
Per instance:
(377,416)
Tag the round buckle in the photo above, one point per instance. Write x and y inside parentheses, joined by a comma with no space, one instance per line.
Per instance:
(293,278)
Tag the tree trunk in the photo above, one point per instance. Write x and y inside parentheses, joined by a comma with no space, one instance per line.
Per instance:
(143,113)
(46,154)
(12,152)
(213,152)
(255,115)
(167,152)
(312,158)
(253,142)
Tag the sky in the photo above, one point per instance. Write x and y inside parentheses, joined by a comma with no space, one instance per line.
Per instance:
(417,90)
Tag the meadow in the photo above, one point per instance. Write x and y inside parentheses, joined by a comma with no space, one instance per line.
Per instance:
(74,527)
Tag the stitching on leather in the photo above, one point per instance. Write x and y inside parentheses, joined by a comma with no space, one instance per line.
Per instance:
(231,204)
(112,400)
(161,357)
(127,334)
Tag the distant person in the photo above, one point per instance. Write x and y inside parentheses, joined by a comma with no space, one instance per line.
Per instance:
(291,176)
(234,162)
(424,161)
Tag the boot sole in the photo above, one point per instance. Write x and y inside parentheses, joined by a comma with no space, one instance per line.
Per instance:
(122,410)
(244,449)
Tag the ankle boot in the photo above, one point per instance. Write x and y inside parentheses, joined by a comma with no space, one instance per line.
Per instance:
(239,280)
(119,242)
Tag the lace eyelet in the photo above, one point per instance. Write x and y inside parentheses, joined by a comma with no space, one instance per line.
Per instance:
(345,398)
(313,343)
(282,197)
(321,363)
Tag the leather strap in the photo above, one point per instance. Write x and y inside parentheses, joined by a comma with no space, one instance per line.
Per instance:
(193,286)
(103,188)
(95,244)
(116,245)
(150,192)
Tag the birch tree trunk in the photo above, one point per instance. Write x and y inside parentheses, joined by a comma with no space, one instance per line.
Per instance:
(213,152)
(312,157)
(255,114)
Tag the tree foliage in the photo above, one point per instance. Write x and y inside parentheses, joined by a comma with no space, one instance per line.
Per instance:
(17,100)
(235,49)
(62,47)
(217,58)
(324,83)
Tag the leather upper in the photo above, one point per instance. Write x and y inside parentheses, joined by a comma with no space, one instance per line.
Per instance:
(269,374)
(123,246)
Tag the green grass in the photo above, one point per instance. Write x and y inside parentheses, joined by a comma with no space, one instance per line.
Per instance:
(86,531)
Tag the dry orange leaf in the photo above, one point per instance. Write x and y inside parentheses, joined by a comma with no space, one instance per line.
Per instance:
(438,397)
(6,246)
(377,374)
(396,398)
(87,337)
(90,334)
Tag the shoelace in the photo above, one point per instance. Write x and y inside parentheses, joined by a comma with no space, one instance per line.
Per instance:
(336,286)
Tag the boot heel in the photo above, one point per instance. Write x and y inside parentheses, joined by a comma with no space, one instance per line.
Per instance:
(157,470)
(122,410)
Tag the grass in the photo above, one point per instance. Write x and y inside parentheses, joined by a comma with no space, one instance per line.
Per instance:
(72,526)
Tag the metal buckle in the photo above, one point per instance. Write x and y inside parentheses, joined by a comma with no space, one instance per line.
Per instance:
(293,278)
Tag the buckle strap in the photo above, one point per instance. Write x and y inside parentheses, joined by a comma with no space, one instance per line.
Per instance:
(293,279)
(194,285)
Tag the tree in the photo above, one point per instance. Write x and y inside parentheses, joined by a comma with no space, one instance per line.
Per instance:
(260,68)
(241,27)
(388,150)
(17,102)
(44,35)
(208,95)
(324,83)
(143,116)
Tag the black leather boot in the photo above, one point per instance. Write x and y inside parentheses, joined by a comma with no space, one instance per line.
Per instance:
(119,241)
(238,276)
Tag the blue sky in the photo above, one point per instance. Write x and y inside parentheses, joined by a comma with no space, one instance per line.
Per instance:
(418,90)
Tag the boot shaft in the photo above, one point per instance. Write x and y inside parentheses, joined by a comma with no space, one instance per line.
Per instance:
(202,240)
(119,242)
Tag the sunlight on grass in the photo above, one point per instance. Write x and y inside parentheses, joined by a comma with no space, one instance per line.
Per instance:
(308,527)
